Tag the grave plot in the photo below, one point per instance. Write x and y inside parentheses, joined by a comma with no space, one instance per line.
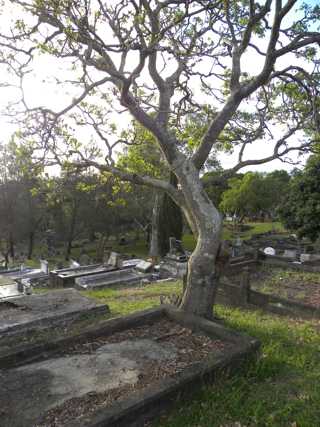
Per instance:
(121,374)
(10,290)
(293,285)
(100,281)
(24,313)
(66,277)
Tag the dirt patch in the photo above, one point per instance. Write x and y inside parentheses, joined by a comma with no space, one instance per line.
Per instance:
(188,348)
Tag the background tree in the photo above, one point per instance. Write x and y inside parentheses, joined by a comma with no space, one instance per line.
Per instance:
(162,61)
(300,210)
(144,157)
(255,194)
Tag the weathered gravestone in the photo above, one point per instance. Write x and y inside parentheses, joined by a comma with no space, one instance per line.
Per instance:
(290,254)
(144,266)
(115,260)
(175,262)
(44,266)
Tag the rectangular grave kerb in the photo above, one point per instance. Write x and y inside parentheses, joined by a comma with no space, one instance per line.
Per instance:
(147,403)
(46,310)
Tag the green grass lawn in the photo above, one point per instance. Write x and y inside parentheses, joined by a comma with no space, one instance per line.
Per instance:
(281,389)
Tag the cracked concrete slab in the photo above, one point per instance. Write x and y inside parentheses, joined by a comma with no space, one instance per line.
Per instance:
(27,392)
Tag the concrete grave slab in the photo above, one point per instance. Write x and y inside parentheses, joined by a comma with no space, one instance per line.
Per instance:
(100,281)
(28,391)
(66,277)
(6,280)
(10,290)
(37,387)
(44,310)
(310,258)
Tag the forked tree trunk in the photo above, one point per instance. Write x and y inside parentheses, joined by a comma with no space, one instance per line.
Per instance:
(206,223)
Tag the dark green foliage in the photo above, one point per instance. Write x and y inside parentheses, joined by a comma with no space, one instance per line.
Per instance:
(215,186)
(300,210)
(255,194)
(170,220)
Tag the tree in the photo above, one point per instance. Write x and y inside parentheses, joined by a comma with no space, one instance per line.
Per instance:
(144,157)
(162,62)
(300,210)
(255,194)
(245,197)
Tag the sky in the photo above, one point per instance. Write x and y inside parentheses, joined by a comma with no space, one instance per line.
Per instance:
(41,89)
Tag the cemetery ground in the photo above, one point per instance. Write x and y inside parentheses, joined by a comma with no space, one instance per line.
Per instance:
(140,247)
(282,388)
(289,284)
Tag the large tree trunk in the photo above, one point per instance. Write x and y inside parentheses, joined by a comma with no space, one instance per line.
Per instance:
(170,220)
(11,245)
(154,241)
(71,233)
(30,245)
(206,223)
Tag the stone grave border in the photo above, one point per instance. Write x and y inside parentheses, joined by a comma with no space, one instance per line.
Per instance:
(241,295)
(145,404)
(47,323)
(278,261)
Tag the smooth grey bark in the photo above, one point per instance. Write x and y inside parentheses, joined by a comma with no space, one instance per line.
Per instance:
(206,223)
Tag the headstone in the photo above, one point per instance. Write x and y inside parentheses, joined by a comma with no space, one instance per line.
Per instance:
(105,257)
(269,251)
(115,260)
(290,253)
(74,264)
(44,266)
(144,266)
(176,250)
(84,259)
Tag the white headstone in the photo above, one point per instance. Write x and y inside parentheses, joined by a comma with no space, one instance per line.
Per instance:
(74,264)
(269,251)
(44,266)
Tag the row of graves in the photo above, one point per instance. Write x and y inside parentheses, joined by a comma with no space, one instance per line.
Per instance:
(275,272)
(59,369)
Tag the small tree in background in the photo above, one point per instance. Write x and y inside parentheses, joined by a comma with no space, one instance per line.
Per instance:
(300,210)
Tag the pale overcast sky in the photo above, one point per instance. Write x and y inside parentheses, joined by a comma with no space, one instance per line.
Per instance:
(41,89)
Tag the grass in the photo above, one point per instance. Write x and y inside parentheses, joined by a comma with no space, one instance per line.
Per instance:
(277,280)
(127,300)
(282,389)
